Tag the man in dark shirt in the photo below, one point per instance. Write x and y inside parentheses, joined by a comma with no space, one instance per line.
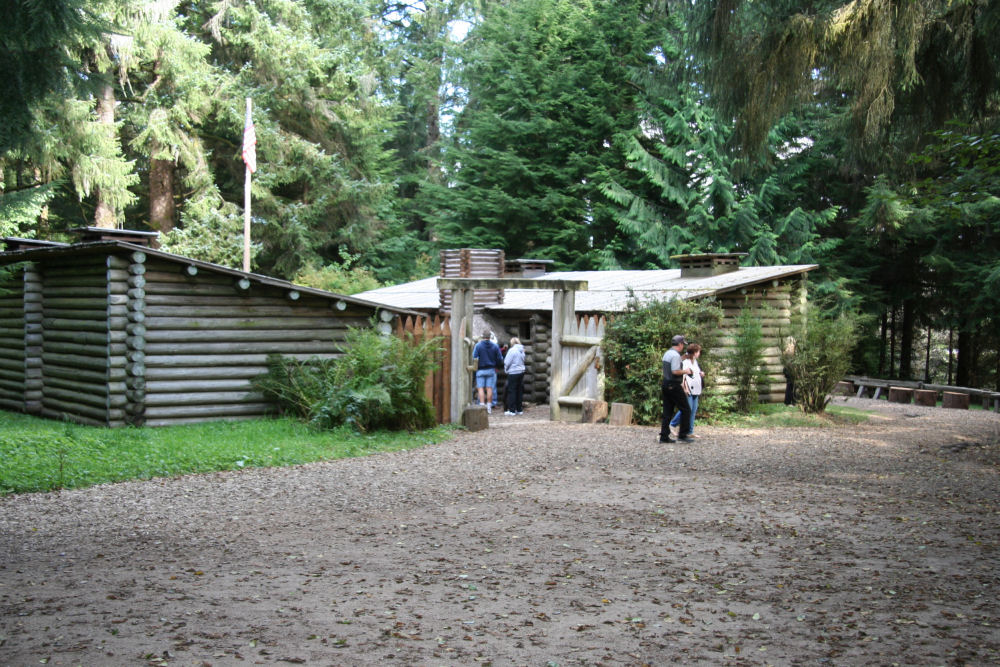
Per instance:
(487,354)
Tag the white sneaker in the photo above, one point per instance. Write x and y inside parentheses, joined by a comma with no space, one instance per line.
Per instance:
(489,409)
(509,413)
(518,413)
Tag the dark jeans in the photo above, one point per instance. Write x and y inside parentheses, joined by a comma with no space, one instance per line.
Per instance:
(674,399)
(515,392)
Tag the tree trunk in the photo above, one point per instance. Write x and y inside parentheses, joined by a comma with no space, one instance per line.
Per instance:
(951,356)
(963,374)
(906,341)
(104,215)
(161,192)
(927,357)
(881,352)
(892,344)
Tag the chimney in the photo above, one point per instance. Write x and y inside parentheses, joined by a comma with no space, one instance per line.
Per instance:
(708,264)
(473,263)
(527,268)
(95,234)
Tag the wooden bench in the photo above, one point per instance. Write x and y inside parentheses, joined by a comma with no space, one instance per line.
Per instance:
(926,397)
(900,395)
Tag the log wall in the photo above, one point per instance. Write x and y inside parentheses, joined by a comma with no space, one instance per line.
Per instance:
(197,341)
(778,304)
(12,343)
(76,310)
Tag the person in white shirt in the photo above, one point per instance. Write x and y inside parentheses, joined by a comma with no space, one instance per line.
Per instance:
(693,384)
(513,364)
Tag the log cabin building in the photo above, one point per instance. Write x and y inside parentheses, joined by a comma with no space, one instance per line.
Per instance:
(109,331)
(778,291)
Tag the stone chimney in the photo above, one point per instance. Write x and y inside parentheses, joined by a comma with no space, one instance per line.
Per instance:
(709,264)
(527,268)
(94,234)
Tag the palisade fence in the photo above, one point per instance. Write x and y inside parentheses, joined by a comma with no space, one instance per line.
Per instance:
(438,383)
(579,375)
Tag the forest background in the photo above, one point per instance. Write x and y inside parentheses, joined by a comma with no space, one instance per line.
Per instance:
(863,136)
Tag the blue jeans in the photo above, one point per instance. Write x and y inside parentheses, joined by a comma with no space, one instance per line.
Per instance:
(693,402)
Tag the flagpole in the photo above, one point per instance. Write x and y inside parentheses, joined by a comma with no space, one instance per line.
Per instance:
(246,207)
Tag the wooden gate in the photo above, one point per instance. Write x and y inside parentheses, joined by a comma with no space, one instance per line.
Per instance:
(438,384)
(578,372)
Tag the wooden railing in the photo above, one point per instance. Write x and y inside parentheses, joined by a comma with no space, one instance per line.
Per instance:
(990,400)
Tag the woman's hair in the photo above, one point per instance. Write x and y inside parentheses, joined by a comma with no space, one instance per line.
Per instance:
(692,349)
(514,340)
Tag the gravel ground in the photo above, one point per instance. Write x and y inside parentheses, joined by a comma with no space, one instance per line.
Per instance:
(533,543)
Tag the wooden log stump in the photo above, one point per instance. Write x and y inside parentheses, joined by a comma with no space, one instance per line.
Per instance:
(621,414)
(953,399)
(926,397)
(844,388)
(594,411)
(900,395)
(474,418)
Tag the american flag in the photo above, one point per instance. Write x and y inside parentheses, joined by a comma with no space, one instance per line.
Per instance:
(249,144)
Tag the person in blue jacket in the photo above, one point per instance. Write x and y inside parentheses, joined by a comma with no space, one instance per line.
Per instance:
(487,359)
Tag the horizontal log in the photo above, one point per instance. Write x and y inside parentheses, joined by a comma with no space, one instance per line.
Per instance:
(74,361)
(243,347)
(202,398)
(73,407)
(70,396)
(12,404)
(187,300)
(85,337)
(260,360)
(78,386)
(11,385)
(187,386)
(86,420)
(205,323)
(239,310)
(203,373)
(12,323)
(69,284)
(87,315)
(218,411)
(59,347)
(12,312)
(97,301)
(11,352)
(91,325)
(335,335)
(12,364)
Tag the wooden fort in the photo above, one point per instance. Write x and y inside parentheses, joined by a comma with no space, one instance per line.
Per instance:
(110,332)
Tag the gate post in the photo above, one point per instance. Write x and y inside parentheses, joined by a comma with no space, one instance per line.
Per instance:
(563,308)
(461,325)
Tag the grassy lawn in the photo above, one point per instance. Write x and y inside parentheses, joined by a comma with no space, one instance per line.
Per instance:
(777,414)
(44,455)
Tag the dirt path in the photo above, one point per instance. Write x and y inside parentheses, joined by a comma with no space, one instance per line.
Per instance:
(533,544)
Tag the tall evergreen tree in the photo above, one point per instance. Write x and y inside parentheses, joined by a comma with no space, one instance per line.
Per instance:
(549,109)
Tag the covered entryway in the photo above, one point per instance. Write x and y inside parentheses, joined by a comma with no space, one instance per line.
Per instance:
(576,353)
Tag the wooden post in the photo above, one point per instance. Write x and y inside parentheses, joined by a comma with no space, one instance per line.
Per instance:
(459,372)
(555,372)
(926,397)
(900,395)
(954,399)
(594,411)
(621,414)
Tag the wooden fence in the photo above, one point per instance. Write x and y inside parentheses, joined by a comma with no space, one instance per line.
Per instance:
(876,388)
(438,384)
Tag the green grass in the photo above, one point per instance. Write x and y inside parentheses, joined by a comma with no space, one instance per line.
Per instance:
(775,415)
(45,455)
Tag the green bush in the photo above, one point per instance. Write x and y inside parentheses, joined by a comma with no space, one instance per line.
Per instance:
(634,344)
(377,384)
(817,355)
(745,362)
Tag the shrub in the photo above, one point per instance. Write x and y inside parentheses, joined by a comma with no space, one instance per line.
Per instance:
(634,344)
(377,384)
(817,355)
(745,362)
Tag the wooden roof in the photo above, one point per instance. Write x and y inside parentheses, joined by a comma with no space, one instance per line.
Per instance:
(48,252)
